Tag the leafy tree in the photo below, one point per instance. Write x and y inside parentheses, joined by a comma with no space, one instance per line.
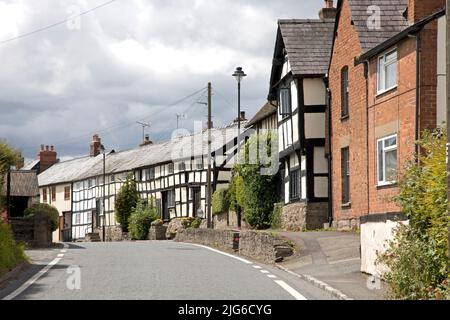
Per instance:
(44,209)
(255,192)
(141,219)
(220,201)
(126,200)
(417,257)
(8,158)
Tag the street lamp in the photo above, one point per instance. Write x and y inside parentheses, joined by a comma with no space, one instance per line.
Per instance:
(103,151)
(239,75)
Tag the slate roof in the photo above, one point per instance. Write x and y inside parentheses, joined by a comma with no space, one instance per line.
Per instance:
(267,110)
(24,183)
(392,20)
(31,165)
(308,44)
(176,149)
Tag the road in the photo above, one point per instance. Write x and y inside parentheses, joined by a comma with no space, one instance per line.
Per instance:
(153,271)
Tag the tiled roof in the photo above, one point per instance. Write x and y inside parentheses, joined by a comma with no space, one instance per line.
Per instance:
(24,183)
(308,44)
(175,149)
(392,20)
(267,110)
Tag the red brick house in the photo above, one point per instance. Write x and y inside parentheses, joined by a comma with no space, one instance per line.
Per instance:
(381,50)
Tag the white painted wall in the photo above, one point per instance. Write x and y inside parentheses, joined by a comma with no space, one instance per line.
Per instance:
(314,125)
(314,92)
(375,237)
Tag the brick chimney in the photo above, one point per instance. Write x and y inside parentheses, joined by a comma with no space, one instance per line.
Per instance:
(95,145)
(419,9)
(328,11)
(146,141)
(47,157)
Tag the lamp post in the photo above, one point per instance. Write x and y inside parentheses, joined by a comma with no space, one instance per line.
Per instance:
(239,75)
(103,150)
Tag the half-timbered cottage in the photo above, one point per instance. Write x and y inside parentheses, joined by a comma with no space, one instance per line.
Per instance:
(298,84)
(174,173)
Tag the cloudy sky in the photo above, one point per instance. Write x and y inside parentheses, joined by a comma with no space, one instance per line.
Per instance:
(129,61)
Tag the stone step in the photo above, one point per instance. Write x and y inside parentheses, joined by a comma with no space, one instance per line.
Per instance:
(92,237)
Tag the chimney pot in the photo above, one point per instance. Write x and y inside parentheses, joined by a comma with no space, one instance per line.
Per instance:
(328,11)
(47,148)
(42,147)
(328,3)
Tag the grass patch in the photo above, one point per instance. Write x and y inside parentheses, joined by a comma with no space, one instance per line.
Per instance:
(11,253)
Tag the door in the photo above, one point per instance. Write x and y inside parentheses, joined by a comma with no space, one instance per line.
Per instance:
(197,200)
(66,230)
(165,206)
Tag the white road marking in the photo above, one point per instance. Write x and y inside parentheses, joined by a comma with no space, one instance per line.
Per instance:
(60,255)
(222,253)
(257,267)
(264,271)
(271,276)
(63,251)
(290,290)
(32,280)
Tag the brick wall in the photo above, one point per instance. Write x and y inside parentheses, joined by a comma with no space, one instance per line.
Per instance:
(419,9)
(351,131)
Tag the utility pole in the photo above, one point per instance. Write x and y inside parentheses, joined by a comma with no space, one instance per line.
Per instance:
(8,195)
(447,27)
(209,191)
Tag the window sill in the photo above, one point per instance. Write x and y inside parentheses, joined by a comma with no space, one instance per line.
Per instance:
(347,205)
(345,117)
(386,185)
(382,93)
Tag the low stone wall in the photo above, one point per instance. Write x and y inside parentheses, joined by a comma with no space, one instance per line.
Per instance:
(222,239)
(113,234)
(228,220)
(304,216)
(349,224)
(264,246)
(34,232)
(157,232)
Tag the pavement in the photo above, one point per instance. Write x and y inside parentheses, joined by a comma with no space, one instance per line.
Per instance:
(151,270)
(333,258)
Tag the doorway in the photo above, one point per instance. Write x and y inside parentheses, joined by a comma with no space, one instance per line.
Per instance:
(197,200)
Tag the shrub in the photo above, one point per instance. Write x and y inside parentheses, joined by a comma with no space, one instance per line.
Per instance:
(417,261)
(254,192)
(46,210)
(141,219)
(126,201)
(196,223)
(11,254)
(220,201)
(275,219)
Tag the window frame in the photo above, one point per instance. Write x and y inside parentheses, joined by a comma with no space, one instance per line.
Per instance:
(67,192)
(282,110)
(345,179)
(294,188)
(384,181)
(53,195)
(382,64)
(44,195)
(345,95)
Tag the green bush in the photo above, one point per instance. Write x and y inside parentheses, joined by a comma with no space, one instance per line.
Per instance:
(417,257)
(220,201)
(141,219)
(11,254)
(46,210)
(126,201)
(196,223)
(275,219)
(254,192)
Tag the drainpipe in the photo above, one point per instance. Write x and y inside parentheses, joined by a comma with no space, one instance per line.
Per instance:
(418,51)
(330,157)
(366,76)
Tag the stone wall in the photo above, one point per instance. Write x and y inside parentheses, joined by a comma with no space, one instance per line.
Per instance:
(304,216)
(264,246)
(113,234)
(222,239)
(350,224)
(34,232)
(227,221)
(157,232)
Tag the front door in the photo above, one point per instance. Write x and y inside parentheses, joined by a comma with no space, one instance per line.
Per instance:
(165,206)
(197,200)
(66,230)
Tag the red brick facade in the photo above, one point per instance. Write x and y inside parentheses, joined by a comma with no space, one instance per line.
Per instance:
(373,116)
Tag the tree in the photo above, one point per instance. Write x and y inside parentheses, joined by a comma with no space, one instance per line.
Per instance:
(8,158)
(141,219)
(126,201)
(44,209)
(255,192)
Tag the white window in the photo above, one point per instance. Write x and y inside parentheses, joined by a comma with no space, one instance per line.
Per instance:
(387,71)
(285,102)
(387,160)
